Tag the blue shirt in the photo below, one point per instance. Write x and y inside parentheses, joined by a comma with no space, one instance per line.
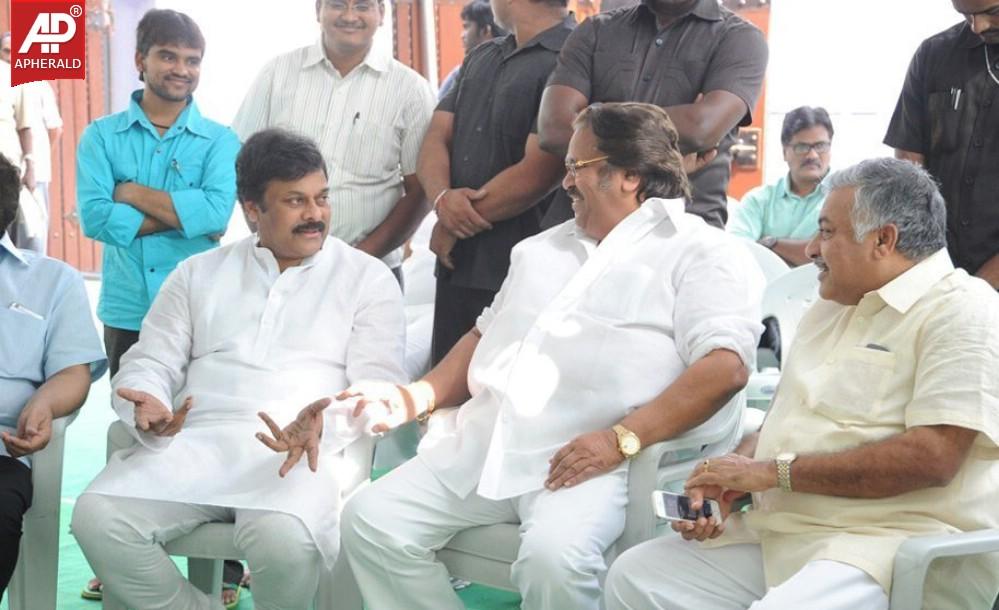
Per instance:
(776,211)
(194,161)
(45,327)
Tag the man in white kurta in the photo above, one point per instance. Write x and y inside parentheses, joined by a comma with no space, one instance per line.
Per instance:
(270,323)
(636,316)
(885,426)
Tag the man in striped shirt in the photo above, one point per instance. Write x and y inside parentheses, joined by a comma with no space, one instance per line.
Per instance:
(367,112)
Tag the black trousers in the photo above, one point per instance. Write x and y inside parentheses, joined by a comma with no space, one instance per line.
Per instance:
(116,343)
(455,311)
(15,500)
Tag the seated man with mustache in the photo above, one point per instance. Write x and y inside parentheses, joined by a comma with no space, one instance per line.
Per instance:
(632,324)
(281,319)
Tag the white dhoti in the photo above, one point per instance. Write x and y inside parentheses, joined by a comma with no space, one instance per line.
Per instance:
(392,529)
(670,573)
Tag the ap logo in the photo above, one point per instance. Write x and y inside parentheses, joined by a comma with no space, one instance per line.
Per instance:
(51,30)
(48,40)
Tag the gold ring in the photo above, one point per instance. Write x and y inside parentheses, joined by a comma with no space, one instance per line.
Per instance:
(707,464)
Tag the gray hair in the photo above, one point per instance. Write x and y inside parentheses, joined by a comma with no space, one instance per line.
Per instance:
(892,191)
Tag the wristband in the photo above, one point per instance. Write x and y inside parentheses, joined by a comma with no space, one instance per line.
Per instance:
(438,198)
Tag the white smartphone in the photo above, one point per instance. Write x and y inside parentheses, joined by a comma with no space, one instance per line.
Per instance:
(674,507)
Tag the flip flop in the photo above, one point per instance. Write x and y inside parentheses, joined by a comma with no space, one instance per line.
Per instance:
(93,593)
(232,587)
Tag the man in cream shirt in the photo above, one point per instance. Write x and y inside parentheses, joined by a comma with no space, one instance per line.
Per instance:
(629,325)
(279,320)
(884,427)
(367,111)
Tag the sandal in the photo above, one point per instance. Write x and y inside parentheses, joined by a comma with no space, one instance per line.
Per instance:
(94,590)
(228,586)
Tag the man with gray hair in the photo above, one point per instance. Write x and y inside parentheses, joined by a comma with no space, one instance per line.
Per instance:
(892,375)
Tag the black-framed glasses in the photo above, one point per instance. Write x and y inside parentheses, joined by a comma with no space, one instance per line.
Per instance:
(803,148)
(571,167)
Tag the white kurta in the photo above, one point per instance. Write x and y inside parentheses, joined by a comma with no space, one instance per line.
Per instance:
(238,336)
(580,334)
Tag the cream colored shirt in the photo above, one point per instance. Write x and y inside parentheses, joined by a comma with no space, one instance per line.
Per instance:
(368,124)
(922,350)
(580,334)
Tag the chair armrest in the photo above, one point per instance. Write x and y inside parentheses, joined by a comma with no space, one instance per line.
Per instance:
(46,465)
(915,555)
(640,522)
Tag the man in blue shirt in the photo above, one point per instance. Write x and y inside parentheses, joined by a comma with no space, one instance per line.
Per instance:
(155,183)
(785,215)
(49,354)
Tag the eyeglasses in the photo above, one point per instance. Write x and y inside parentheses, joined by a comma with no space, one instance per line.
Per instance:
(343,7)
(803,148)
(571,167)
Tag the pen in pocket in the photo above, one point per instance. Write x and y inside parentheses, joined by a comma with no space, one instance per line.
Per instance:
(22,309)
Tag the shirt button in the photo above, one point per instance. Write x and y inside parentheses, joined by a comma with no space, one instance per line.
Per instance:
(465,159)
(646,78)
(479,129)
(969,180)
(659,42)
(151,270)
(965,222)
(978,142)
(987,103)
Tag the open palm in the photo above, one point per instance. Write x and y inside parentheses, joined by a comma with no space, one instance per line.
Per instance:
(300,436)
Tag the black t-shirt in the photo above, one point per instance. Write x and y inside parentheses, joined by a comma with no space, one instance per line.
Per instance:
(495,102)
(948,111)
(622,56)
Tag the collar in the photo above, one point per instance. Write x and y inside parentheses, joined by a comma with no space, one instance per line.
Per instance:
(902,292)
(552,38)
(784,185)
(266,257)
(8,245)
(375,59)
(708,10)
(651,210)
(967,38)
(190,118)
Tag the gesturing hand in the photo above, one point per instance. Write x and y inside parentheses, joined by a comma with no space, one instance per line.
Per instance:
(152,416)
(34,430)
(300,436)
(396,399)
(583,458)
(456,212)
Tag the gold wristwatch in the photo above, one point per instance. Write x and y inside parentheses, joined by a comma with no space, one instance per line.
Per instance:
(783,461)
(627,441)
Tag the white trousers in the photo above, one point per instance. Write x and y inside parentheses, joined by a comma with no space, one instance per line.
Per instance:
(122,539)
(391,530)
(672,573)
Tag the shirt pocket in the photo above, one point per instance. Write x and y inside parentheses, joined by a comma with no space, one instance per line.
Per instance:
(371,150)
(614,76)
(856,385)
(945,122)
(22,350)
(125,171)
(186,175)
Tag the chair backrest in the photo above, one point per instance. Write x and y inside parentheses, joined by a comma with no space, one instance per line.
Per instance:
(787,298)
(357,455)
(772,265)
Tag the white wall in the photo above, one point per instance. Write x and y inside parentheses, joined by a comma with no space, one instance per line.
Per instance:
(849,56)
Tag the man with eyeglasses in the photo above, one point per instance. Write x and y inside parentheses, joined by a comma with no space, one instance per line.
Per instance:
(947,120)
(630,325)
(783,216)
(368,113)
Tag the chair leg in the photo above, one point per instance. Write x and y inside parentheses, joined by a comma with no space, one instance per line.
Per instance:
(205,574)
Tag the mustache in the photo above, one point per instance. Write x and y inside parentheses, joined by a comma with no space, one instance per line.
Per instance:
(310,226)
(349,24)
(811,164)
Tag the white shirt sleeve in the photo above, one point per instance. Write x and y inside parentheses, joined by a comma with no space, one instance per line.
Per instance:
(378,339)
(718,294)
(157,364)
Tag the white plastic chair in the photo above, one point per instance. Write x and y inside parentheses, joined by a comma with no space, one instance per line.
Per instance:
(916,554)
(484,554)
(33,585)
(785,298)
(772,265)
(208,545)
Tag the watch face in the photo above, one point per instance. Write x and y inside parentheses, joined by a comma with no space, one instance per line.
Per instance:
(629,445)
